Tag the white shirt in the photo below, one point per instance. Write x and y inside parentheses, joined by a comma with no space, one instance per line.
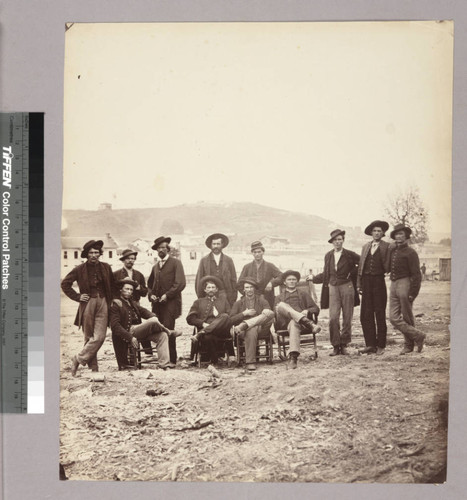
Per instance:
(163,261)
(374,247)
(217,258)
(337,256)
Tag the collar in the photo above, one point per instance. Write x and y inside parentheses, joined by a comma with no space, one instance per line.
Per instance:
(293,291)
(402,245)
(338,251)
(165,259)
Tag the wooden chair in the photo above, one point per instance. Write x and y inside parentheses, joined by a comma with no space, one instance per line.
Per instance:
(200,355)
(264,348)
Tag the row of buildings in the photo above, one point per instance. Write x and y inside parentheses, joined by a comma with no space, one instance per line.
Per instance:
(279,250)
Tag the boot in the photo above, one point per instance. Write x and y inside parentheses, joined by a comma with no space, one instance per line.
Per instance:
(335,351)
(420,341)
(344,350)
(379,351)
(293,360)
(367,350)
(74,366)
(406,350)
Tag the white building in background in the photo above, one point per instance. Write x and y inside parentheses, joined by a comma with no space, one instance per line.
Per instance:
(72,247)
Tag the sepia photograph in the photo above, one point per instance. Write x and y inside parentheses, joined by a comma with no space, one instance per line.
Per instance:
(256,252)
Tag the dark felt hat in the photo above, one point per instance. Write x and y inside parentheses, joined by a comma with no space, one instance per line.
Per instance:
(257,245)
(249,280)
(290,273)
(216,236)
(160,240)
(401,227)
(97,244)
(213,279)
(127,252)
(377,223)
(335,234)
(126,281)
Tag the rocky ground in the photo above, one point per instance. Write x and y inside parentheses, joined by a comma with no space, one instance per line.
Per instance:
(357,418)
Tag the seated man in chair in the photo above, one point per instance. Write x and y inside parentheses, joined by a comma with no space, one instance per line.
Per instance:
(128,328)
(251,314)
(210,315)
(293,309)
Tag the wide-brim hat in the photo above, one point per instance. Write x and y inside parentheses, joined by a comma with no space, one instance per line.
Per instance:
(335,234)
(126,281)
(401,227)
(216,236)
(214,279)
(249,280)
(377,223)
(127,252)
(257,245)
(290,273)
(160,240)
(98,244)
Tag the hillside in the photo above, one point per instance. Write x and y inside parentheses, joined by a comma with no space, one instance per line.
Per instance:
(247,221)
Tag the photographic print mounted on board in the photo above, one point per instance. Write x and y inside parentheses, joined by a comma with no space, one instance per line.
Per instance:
(256,246)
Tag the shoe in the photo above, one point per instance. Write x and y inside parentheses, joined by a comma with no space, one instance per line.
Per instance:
(379,351)
(251,367)
(242,327)
(406,350)
(74,366)
(344,350)
(293,363)
(171,365)
(316,329)
(367,350)
(307,323)
(335,351)
(420,341)
(174,333)
(197,336)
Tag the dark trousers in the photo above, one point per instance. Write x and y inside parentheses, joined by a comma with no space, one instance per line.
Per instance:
(373,310)
(165,315)
(216,332)
(121,351)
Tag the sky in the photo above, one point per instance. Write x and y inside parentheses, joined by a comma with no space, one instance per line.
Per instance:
(323,118)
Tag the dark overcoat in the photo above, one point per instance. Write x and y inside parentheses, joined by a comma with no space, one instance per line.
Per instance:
(228,275)
(80,275)
(348,264)
(170,280)
(202,308)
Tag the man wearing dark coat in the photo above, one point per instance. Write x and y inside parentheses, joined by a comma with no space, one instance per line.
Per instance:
(251,315)
(129,258)
(217,264)
(126,317)
(96,284)
(339,292)
(405,284)
(265,273)
(210,315)
(294,309)
(374,263)
(165,283)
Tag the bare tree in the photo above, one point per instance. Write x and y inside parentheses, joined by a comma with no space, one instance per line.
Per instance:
(406,207)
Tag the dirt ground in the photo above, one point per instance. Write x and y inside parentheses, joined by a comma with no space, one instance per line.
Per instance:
(357,418)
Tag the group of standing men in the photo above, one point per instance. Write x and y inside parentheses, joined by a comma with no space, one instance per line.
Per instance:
(113,298)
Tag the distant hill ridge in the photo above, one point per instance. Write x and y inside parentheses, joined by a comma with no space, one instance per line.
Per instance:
(247,221)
